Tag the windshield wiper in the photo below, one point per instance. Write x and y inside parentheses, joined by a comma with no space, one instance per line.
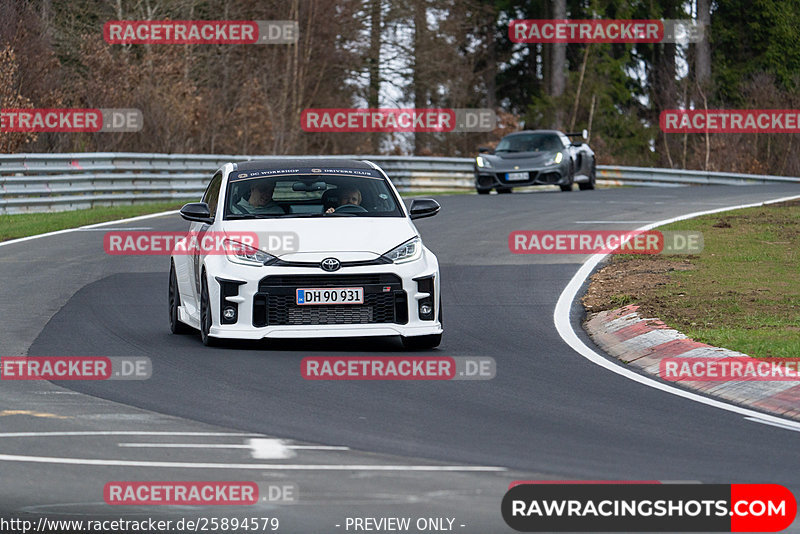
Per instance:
(233,216)
(243,216)
(507,150)
(299,215)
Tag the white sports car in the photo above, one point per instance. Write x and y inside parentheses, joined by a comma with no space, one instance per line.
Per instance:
(334,254)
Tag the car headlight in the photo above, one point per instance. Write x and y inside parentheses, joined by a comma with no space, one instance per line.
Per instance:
(409,251)
(555,160)
(480,161)
(246,255)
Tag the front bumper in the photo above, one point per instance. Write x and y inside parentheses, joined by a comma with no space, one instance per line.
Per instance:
(264,299)
(489,178)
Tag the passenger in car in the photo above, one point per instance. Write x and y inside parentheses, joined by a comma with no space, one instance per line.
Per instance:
(260,200)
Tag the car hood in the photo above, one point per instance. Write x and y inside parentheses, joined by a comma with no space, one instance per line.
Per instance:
(525,155)
(520,160)
(314,239)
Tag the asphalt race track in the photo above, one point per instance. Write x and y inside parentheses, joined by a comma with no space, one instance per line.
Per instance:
(549,412)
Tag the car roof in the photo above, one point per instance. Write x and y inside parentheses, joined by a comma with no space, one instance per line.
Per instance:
(289,163)
(555,132)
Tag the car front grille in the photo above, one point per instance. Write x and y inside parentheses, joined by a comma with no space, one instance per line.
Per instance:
(384,301)
(549,178)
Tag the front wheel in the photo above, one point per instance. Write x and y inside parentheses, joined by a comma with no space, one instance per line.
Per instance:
(205,317)
(502,190)
(568,185)
(175,325)
(430,341)
(483,191)
(588,186)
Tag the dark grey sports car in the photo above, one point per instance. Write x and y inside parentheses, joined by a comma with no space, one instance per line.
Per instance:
(535,157)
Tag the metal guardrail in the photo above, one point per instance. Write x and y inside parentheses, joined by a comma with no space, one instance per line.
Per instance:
(57,182)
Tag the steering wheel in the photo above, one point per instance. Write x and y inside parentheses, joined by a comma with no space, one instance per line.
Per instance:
(351,208)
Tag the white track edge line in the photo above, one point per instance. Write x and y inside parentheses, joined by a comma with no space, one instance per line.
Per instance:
(561,317)
(34,434)
(275,467)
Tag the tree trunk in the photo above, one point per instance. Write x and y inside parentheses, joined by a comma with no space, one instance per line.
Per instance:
(420,94)
(702,60)
(558,71)
(374,60)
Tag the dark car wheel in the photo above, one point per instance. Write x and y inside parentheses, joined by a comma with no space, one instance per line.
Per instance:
(422,342)
(502,190)
(205,316)
(175,326)
(568,186)
(587,186)
(483,191)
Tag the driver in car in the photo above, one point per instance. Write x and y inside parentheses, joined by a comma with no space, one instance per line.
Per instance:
(260,200)
(347,196)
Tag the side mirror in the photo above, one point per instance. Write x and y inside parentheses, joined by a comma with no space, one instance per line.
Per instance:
(484,150)
(424,207)
(196,212)
(585,133)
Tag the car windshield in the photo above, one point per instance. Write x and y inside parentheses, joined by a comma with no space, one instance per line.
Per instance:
(533,142)
(286,193)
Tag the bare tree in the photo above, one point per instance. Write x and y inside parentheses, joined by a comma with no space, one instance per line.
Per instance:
(558,71)
(373,63)
(702,59)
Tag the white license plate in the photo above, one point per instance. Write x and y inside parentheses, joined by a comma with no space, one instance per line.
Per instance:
(330,295)
(516,176)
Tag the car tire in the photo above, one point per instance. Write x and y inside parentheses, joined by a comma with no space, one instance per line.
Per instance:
(431,341)
(424,342)
(503,190)
(175,325)
(206,318)
(568,187)
(483,191)
(588,186)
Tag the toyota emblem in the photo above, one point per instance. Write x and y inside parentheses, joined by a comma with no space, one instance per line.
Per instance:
(330,265)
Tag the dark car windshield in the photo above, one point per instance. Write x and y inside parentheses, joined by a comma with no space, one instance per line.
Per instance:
(532,142)
(309,193)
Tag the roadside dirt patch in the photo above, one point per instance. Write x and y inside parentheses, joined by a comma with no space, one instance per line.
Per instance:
(625,280)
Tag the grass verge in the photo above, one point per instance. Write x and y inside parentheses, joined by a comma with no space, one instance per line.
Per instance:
(27,224)
(741,293)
